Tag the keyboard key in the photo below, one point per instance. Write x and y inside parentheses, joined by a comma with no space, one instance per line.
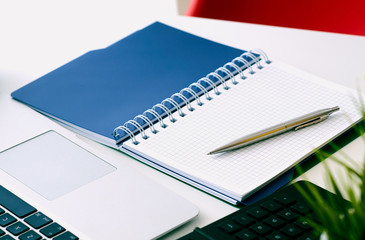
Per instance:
(285,199)
(192,236)
(291,230)
(260,228)
(1,232)
(6,219)
(258,213)
(2,211)
(30,235)
(301,207)
(229,227)
(38,220)
(308,236)
(14,204)
(288,215)
(66,236)
(277,236)
(243,220)
(275,222)
(246,235)
(7,237)
(272,206)
(303,224)
(17,228)
(52,230)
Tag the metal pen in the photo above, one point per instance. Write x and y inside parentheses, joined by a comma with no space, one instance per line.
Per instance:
(293,124)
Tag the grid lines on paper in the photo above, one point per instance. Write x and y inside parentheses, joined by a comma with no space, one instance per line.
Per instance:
(269,97)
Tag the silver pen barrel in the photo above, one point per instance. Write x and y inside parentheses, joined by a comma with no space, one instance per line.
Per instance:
(296,123)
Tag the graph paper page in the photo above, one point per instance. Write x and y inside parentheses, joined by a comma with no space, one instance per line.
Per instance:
(271,96)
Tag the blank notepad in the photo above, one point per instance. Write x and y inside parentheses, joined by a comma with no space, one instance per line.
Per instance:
(275,94)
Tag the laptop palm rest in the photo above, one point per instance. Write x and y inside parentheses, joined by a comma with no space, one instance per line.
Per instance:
(94,198)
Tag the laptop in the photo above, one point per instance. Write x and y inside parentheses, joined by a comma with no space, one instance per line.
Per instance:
(69,190)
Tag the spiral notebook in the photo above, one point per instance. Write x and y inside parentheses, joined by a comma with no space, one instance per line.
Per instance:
(167,98)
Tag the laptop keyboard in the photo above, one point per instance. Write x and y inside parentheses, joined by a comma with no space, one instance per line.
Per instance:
(20,220)
(279,216)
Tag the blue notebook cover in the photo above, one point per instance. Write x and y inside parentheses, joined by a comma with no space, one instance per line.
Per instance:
(104,88)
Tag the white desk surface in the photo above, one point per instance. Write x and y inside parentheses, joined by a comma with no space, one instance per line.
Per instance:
(40,35)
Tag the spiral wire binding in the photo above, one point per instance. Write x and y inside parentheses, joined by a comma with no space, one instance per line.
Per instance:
(175,104)
(154,113)
(201,87)
(148,121)
(220,78)
(138,126)
(182,97)
(196,96)
(211,83)
(229,75)
(239,71)
(245,63)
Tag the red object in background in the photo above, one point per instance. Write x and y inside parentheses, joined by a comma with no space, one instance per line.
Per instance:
(322,15)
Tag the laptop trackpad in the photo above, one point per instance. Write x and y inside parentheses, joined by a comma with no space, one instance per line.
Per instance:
(52,165)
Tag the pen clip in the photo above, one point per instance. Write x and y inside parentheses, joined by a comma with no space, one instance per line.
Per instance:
(311,122)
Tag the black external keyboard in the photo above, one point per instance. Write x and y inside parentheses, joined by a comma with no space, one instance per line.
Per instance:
(277,217)
(19,220)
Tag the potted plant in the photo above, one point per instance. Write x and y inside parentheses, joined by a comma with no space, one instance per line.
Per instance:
(337,220)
